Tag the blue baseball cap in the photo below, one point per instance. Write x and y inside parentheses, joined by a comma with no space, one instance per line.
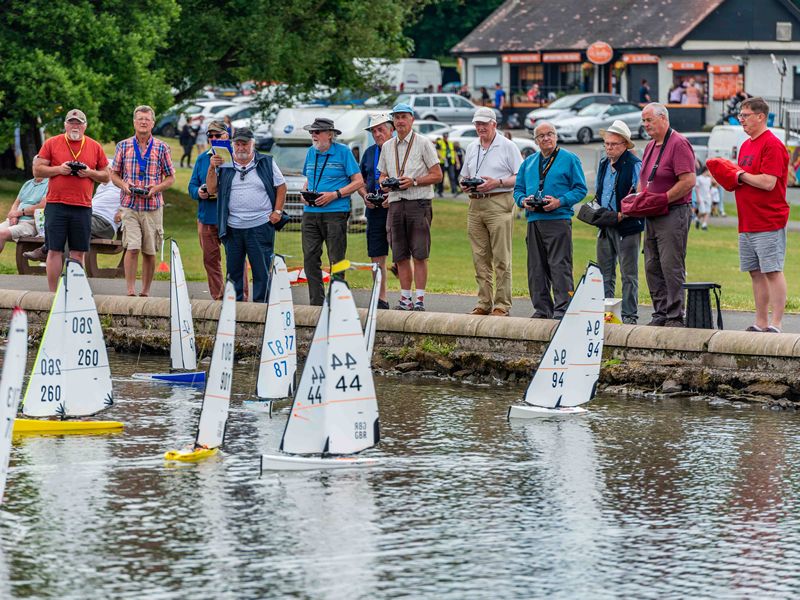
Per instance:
(402,108)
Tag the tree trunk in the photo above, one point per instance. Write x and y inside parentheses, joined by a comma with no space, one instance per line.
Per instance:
(8,160)
(31,140)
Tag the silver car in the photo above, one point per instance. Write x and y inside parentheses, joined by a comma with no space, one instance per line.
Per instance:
(448,108)
(586,125)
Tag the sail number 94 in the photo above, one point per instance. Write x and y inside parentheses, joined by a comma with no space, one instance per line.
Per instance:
(593,328)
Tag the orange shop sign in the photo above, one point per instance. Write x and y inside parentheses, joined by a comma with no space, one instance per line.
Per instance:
(600,53)
(640,59)
(723,68)
(686,66)
(531,57)
(561,57)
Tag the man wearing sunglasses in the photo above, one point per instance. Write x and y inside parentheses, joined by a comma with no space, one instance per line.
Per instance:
(68,208)
(142,170)
(250,193)
(207,230)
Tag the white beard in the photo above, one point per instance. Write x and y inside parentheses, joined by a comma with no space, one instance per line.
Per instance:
(242,156)
(75,136)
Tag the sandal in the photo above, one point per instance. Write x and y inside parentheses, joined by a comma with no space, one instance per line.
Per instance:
(755,328)
(772,329)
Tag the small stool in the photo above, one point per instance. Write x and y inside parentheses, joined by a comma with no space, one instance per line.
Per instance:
(698,305)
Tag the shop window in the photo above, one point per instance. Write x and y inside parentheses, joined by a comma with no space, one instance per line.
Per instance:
(689,87)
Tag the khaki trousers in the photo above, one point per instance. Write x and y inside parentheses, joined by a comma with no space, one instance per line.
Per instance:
(490,225)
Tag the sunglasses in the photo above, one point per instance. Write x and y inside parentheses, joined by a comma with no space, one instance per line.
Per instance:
(214,136)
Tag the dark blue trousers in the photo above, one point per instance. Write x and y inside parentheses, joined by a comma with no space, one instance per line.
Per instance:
(257,244)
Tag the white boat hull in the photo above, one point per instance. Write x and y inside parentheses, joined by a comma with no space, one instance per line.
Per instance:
(529,411)
(285,462)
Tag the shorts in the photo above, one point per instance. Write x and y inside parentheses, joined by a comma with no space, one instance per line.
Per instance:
(703,205)
(67,223)
(763,251)
(409,229)
(377,240)
(20,230)
(142,230)
(101,228)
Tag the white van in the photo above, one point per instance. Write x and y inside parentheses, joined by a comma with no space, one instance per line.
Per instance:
(291,143)
(726,140)
(408,74)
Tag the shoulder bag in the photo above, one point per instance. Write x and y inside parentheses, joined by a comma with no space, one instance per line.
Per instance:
(647,203)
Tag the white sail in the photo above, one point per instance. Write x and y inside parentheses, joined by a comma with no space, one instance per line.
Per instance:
(182,345)
(217,397)
(305,428)
(11,386)
(371,325)
(570,367)
(276,371)
(70,376)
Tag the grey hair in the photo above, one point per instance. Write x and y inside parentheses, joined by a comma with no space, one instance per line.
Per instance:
(658,109)
(144,108)
(542,124)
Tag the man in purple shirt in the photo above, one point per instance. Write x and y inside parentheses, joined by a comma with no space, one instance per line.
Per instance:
(666,236)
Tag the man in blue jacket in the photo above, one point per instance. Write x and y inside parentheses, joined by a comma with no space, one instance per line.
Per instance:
(250,195)
(549,183)
(618,176)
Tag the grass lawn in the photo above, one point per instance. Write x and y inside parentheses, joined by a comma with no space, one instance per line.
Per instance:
(712,255)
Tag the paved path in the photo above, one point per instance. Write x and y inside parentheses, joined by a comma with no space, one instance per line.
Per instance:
(449,303)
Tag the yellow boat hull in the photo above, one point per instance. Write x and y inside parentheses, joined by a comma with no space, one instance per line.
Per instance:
(45,427)
(190,455)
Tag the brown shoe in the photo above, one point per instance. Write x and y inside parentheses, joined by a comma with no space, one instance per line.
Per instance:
(40,254)
(479,311)
(499,312)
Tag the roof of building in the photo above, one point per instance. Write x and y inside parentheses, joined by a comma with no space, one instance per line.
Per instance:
(531,25)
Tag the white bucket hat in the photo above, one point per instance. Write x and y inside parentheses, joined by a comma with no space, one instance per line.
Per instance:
(376,119)
(483,115)
(621,129)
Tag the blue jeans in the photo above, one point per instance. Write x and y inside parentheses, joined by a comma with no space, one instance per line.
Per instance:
(257,243)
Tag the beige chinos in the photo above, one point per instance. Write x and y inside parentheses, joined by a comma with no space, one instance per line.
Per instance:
(490,227)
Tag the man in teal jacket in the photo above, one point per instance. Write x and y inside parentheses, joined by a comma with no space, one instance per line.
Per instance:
(549,184)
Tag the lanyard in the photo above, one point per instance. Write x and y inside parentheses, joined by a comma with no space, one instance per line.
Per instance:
(375,167)
(75,156)
(660,154)
(401,169)
(244,171)
(321,171)
(543,171)
(478,160)
(142,160)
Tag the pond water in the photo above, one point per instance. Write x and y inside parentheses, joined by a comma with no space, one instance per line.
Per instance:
(636,499)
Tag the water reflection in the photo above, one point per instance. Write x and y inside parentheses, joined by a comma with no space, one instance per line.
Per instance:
(635,499)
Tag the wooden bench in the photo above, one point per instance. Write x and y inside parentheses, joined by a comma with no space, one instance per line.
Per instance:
(98,246)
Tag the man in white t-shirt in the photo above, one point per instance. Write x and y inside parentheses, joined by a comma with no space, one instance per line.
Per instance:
(495,159)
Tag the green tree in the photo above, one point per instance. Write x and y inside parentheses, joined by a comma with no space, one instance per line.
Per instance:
(96,56)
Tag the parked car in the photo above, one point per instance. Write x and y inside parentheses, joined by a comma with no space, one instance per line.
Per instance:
(170,123)
(585,126)
(568,106)
(466,134)
(448,108)
(244,115)
(699,142)
(431,129)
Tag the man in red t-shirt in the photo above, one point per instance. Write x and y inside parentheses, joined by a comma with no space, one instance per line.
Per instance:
(763,213)
(73,162)
(665,237)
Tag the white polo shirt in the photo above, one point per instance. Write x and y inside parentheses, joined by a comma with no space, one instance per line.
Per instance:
(500,161)
(249,205)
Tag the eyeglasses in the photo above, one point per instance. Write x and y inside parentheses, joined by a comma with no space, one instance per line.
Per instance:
(612,144)
(745,116)
(549,134)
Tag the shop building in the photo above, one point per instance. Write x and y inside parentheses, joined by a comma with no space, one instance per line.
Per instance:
(694,54)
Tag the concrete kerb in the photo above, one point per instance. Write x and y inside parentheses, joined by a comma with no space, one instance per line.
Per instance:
(754,344)
(441,324)
(668,338)
(35,301)
(12,298)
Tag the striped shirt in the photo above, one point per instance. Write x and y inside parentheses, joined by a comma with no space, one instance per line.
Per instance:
(418,160)
(158,166)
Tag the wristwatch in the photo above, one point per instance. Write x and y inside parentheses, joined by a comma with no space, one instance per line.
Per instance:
(280,212)
(414,182)
(338,193)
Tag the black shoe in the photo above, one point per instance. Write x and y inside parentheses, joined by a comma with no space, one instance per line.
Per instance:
(419,306)
(629,320)
(654,322)
(383,305)
(674,323)
(40,254)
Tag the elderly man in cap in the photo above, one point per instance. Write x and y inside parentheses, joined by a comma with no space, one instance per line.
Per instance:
(250,194)
(332,172)
(377,203)
(207,229)
(490,224)
(411,161)
(73,163)
(618,176)
(142,169)
(549,184)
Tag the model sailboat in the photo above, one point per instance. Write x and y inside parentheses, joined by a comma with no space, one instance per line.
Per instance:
(217,396)
(371,322)
(182,352)
(335,412)
(11,386)
(569,370)
(70,376)
(278,365)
